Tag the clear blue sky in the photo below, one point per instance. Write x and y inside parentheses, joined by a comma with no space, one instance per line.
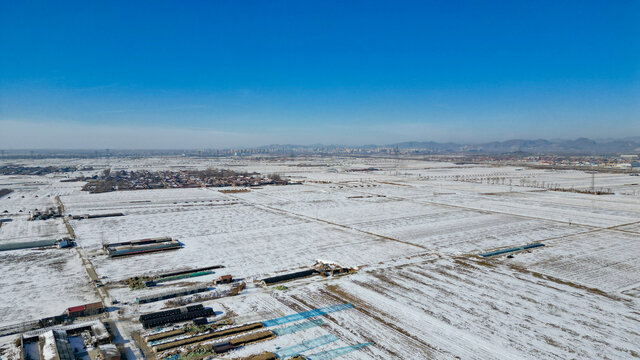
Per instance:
(213,74)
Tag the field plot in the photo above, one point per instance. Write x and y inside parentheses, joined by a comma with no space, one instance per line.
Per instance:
(141,202)
(446,308)
(431,226)
(605,260)
(253,253)
(523,178)
(180,223)
(37,283)
(344,206)
(20,229)
(29,193)
(635,227)
(41,283)
(263,307)
(463,231)
(590,210)
(249,239)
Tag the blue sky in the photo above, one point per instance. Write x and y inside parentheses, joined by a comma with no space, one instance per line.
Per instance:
(170,74)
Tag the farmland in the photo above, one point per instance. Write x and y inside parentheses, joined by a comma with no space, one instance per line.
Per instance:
(410,230)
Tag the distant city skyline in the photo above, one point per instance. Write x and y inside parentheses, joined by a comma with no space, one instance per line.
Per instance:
(166,75)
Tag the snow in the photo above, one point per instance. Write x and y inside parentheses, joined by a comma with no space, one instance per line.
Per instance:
(41,283)
(413,229)
(49,348)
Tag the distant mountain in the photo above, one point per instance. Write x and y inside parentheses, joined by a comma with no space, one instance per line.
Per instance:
(429,145)
(580,146)
(538,146)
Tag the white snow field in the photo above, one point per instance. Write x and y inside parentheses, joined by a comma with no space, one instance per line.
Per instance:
(414,230)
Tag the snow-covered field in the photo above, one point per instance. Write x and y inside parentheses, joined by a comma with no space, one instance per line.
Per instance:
(605,260)
(413,228)
(37,283)
(41,283)
(20,229)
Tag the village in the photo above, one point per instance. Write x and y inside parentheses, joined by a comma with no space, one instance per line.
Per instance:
(140,180)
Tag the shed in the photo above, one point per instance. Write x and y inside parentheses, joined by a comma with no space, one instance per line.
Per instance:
(75,310)
(94,308)
(200,321)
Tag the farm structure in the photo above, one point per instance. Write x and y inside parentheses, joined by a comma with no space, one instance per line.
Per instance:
(329,268)
(140,282)
(56,341)
(184,272)
(175,315)
(288,277)
(200,321)
(136,247)
(105,352)
(224,279)
(167,342)
(171,294)
(511,250)
(209,336)
(96,216)
(184,276)
(46,214)
(29,244)
(261,356)
(242,340)
(85,310)
(226,346)
(53,320)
